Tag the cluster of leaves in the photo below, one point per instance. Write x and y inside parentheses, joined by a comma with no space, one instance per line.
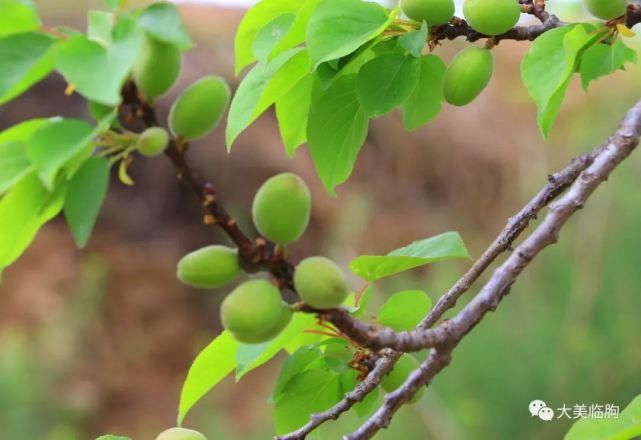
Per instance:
(554,58)
(50,165)
(329,66)
(318,354)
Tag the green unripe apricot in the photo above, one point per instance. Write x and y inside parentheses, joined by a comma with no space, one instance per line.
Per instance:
(180,434)
(157,68)
(209,267)
(282,207)
(254,312)
(492,17)
(606,9)
(399,374)
(320,283)
(467,75)
(433,12)
(152,141)
(199,108)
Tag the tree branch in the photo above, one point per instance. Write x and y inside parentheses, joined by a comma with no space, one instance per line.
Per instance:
(557,184)
(254,255)
(618,149)
(460,28)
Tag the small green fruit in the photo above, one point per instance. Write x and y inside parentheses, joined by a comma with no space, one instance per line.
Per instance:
(492,17)
(399,374)
(153,141)
(433,12)
(209,267)
(467,75)
(320,283)
(282,207)
(254,312)
(606,9)
(157,68)
(199,108)
(180,434)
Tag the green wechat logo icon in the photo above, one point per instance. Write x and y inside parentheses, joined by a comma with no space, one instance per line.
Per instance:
(539,408)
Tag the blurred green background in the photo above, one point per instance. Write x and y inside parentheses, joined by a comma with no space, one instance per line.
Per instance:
(99,340)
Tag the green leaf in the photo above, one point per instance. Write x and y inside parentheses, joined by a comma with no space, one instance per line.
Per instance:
(113,5)
(292,112)
(302,359)
(603,59)
(297,31)
(99,27)
(98,73)
(368,404)
(548,68)
(424,104)
(23,210)
(14,163)
(268,37)
(404,310)
(386,82)
(626,426)
(337,355)
(256,18)
(53,145)
(162,22)
(112,437)
(365,297)
(85,194)
(336,131)
(309,392)
(339,27)
(252,356)
(442,247)
(414,42)
(263,86)
(17,16)
(331,71)
(26,59)
(211,366)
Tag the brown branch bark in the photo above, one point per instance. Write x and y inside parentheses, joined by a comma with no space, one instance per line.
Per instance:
(547,233)
(459,28)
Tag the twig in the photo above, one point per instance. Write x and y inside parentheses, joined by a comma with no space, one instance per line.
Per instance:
(557,183)
(253,255)
(460,28)
(618,149)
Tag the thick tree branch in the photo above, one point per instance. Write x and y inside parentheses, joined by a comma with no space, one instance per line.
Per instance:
(362,332)
(618,149)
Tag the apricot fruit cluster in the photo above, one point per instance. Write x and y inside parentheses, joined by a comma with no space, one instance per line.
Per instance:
(209,267)
(320,283)
(199,108)
(282,207)
(606,9)
(157,68)
(254,312)
(467,75)
(153,141)
(492,17)
(433,12)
